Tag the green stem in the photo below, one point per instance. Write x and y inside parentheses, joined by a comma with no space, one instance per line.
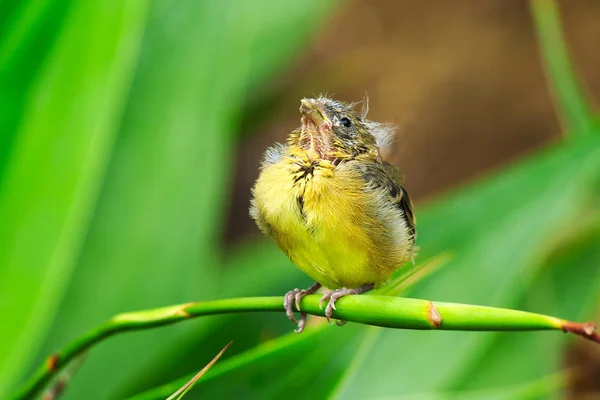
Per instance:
(385,311)
(572,104)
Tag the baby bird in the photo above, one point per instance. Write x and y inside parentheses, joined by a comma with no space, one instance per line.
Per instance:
(333,205)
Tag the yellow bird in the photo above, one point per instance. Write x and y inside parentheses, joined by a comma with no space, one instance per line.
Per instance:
(333,205)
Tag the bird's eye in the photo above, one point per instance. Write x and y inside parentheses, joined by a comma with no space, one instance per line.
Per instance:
(346,122)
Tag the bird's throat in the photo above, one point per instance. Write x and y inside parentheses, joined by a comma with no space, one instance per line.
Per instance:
(316,139)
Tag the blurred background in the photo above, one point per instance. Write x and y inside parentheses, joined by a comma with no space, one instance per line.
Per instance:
(131,134)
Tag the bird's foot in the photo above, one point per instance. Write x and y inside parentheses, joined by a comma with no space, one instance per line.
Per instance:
(293,297)
(334,295)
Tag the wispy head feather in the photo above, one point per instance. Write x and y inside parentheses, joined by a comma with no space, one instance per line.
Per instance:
(383,133)
(365,107)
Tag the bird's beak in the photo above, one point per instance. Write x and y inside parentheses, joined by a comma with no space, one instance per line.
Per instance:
(310,109)
(312,113)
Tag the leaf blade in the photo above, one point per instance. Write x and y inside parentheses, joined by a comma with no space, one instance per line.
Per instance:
(46,197)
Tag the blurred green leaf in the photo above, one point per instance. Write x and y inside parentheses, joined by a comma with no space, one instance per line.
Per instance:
(542,388)
(564,286)
(55,167)
(155,238)
(254,268)
(572,105)
(27,30)
(262,41)
(291,358)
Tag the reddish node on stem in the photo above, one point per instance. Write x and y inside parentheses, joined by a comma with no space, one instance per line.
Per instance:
(52,362)
(434,315)
(586,330)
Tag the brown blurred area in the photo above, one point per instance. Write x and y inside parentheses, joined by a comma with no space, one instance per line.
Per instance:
(462,80)
(583,362)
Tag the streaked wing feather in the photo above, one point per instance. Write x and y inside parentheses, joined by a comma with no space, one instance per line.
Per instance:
(388,177)
(405,204)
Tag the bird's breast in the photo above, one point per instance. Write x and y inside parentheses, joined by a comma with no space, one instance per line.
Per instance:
(293,192)
(316,216)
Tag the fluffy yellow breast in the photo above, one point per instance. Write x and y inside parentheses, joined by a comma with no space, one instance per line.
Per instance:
(329,223)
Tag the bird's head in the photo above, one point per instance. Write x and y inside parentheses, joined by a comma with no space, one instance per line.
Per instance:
(333,131)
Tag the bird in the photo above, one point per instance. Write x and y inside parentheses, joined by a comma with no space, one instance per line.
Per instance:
(333,205)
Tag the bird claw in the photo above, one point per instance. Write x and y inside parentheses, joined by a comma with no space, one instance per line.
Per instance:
(325,297)
(298,295)
(288,304)
(336,294)
(301,323)
(293,297)
(332,296)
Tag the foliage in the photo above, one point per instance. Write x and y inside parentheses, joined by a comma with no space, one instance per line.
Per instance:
(119,124)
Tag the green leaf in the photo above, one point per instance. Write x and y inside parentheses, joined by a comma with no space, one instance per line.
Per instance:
(253,370)
(532,390)
(28,31)
(253,269)
(56,165)
(572,103)
(563,287)
(155,236)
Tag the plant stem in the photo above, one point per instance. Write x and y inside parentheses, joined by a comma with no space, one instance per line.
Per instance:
(385,311)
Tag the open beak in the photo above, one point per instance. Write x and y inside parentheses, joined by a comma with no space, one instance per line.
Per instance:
(313,118)
(317,129)
(310,109)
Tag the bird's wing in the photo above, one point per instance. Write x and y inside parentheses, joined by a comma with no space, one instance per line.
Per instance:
(389,178)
